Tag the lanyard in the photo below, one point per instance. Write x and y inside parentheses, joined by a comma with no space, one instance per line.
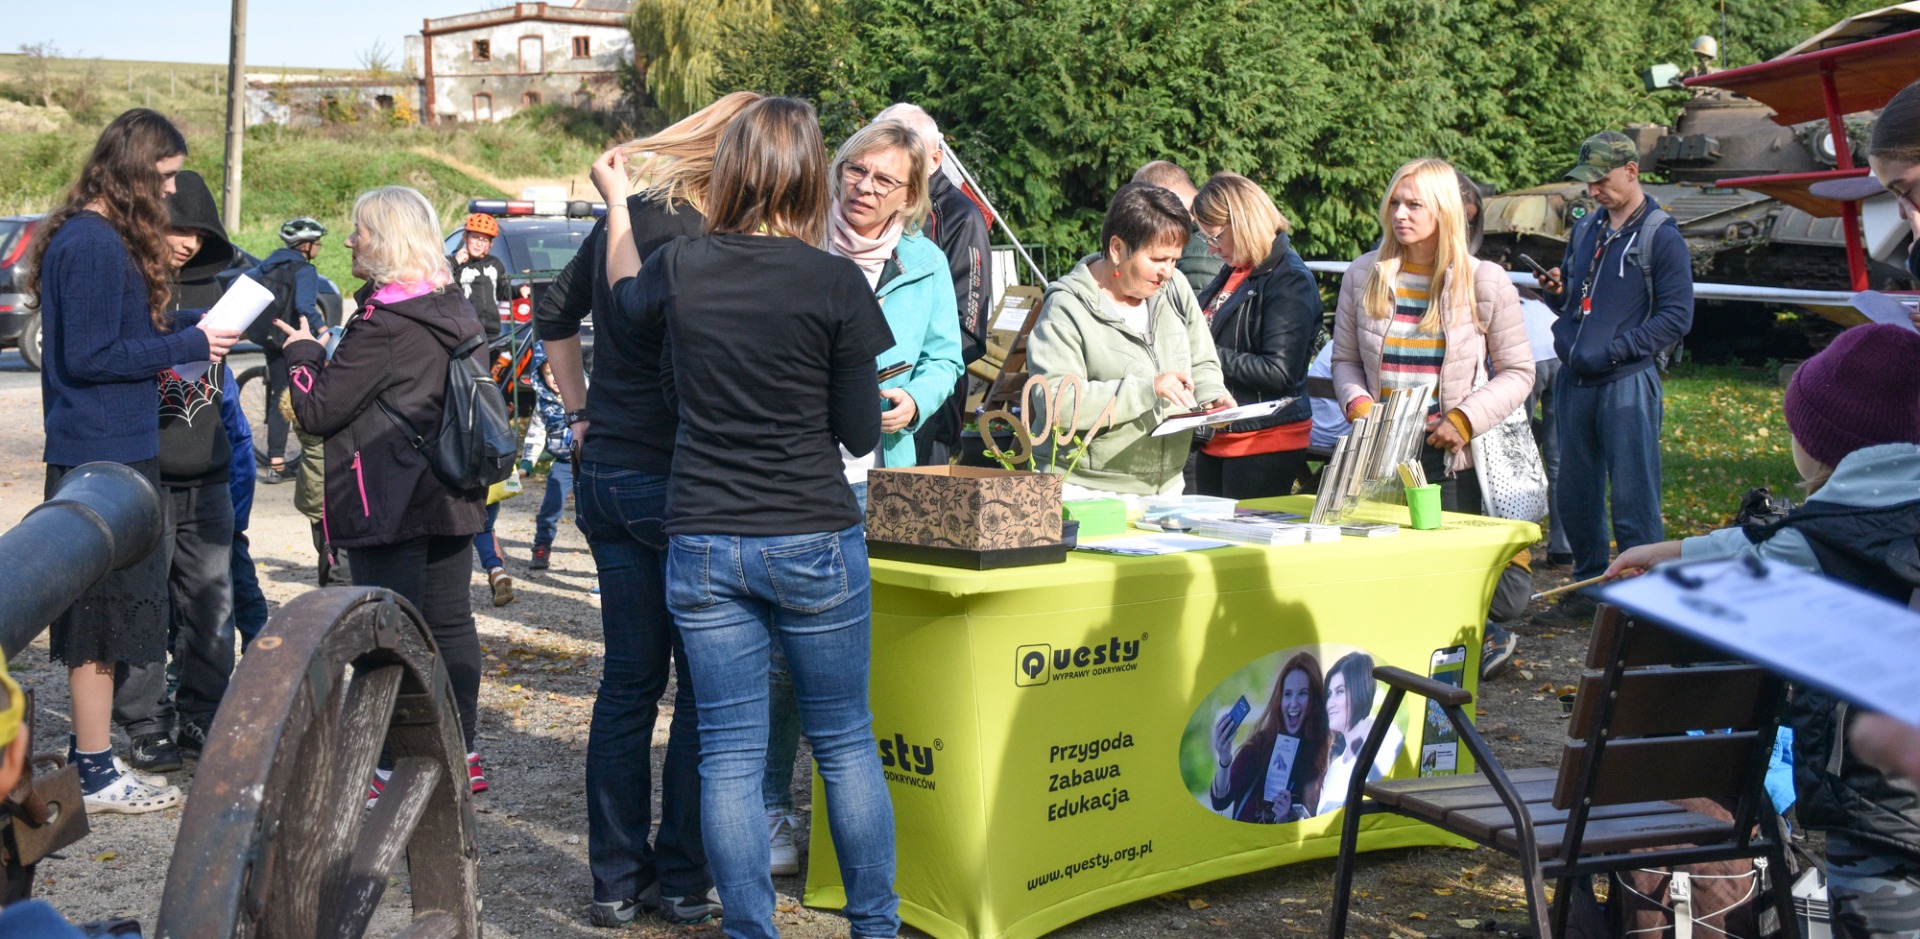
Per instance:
(1600,252)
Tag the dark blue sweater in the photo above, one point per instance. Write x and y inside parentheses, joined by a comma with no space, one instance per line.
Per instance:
(100,390)
(1625,329)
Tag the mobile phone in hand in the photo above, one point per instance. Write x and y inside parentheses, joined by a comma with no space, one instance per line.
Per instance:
(1241,709)
(1541,274)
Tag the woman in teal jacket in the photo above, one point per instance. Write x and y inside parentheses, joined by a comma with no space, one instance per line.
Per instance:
(880,202)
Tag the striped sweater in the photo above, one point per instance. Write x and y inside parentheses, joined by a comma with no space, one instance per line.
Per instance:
(1412,356)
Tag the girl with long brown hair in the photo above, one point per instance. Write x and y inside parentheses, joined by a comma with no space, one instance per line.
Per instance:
(100,275)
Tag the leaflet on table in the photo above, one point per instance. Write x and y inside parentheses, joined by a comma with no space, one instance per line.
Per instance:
(1146,545)
(1862,649)
(238,308)
(1244,412)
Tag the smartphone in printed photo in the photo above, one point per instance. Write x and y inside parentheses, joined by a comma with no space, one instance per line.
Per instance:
(1440,743)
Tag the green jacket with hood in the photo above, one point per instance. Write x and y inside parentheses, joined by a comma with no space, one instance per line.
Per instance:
(1075,335)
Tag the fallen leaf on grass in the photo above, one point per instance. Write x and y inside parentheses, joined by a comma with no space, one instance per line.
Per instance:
(1216,922)
(106,855)
(1419,916)
(1467,923)
(1197,904)
(1443,891)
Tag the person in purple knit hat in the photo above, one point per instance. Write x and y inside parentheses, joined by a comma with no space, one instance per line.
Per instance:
(1854,413)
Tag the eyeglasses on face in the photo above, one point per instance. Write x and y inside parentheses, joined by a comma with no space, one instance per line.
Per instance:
(880,184)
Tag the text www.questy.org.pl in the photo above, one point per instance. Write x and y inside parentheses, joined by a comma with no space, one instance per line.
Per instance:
(1099,861)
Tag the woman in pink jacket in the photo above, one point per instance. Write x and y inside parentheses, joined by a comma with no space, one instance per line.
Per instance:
(1422,310)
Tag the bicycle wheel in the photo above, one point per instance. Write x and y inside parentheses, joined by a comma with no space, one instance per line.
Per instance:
(253,403)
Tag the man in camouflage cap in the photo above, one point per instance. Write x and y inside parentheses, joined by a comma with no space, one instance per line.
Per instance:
(1626,296)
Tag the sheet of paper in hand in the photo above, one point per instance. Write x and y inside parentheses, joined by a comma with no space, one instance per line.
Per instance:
(1857,645)
(237,309)
(1280,765)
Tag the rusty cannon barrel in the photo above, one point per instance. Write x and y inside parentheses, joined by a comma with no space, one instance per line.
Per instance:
(103,517)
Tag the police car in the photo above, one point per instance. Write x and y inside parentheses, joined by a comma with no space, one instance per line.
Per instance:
(537,239)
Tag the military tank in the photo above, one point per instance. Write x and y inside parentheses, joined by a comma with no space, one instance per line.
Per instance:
(1735,236)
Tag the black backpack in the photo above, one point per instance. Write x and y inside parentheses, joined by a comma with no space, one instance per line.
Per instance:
(476,445)
(278,279)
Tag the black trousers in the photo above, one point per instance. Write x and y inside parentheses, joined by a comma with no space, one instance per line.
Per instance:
(278,379)
(199,559)
(1259,476)
(1459,492)
(431,573)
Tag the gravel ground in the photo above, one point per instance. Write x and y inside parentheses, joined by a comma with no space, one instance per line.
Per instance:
(542,660)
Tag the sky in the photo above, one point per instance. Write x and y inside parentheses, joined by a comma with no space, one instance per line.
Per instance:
(294,33)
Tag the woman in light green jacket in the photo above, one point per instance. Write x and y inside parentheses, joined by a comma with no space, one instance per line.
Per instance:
(1126,324)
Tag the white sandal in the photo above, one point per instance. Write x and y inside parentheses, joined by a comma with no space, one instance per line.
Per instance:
(128,795)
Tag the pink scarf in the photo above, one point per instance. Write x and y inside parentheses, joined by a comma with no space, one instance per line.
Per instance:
(870,254)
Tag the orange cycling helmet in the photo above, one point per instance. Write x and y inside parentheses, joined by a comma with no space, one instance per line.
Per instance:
(480,223)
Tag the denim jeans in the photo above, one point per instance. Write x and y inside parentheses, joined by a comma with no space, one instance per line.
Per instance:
(486,544)
(546,524)
(1609,445)
(621,512)
(783,716)
(734,598)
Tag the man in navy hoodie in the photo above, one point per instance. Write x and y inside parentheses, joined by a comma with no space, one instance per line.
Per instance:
(1623,293)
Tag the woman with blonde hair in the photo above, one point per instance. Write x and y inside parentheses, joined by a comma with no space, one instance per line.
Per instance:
(402,528)
(621,460)
(1264,310)
(771,371)
(1421,310)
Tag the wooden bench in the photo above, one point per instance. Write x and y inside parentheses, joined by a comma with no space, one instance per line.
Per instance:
(1658,718)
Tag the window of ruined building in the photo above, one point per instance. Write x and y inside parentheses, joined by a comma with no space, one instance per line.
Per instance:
(482,50)
(582,47)
(530,99)
(583,100)
(483,107)
(533,54)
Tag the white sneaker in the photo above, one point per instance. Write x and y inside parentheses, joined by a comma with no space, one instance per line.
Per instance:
(786,855)
(128,795)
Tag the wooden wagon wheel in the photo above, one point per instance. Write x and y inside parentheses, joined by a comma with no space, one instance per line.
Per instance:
(277,840)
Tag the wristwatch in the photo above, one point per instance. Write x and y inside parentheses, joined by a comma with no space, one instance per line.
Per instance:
(575,417)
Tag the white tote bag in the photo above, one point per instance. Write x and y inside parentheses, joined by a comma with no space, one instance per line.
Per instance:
(1513,483)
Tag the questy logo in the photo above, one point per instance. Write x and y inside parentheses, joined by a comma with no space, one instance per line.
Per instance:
(1041,663)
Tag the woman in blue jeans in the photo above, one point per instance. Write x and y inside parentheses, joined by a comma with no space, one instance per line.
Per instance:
(771,345)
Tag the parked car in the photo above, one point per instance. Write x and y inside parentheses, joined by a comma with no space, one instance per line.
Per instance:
(19,319)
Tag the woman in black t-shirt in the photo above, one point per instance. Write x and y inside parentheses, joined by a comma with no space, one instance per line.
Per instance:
(771,350)
(624,455)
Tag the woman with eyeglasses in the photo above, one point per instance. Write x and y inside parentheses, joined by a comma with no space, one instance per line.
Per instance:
(1263,310)
(1894,155)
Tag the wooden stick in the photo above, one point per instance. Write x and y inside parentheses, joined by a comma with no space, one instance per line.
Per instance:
(1542,595)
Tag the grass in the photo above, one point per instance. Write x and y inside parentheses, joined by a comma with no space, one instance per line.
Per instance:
(1725,433)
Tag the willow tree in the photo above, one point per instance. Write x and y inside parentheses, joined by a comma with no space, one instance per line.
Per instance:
(678,44)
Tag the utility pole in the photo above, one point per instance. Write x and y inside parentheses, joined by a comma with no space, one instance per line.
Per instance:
(236,116)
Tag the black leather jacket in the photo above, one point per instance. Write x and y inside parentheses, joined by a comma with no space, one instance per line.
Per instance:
(1264,333)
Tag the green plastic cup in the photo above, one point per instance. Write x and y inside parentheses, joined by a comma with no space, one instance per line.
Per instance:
(1423,506)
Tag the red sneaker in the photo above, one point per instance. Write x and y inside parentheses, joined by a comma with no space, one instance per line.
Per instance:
(476,777)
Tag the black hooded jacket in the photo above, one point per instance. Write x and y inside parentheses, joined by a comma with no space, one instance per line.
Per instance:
(380,490)
(194,449)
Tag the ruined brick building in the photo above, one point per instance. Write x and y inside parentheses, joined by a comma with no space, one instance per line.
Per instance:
(485,66)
